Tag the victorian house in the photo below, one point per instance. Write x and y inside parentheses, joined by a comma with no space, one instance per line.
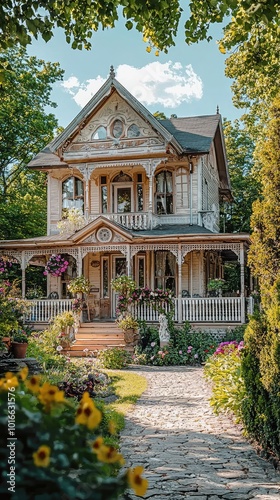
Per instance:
(150,191)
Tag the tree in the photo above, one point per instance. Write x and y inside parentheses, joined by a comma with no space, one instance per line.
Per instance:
(254,68)
(265,250)
(261,361)
(245,183)
(25,129)
(157,20)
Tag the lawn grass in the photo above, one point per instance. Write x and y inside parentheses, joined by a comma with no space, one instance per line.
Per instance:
(128,387)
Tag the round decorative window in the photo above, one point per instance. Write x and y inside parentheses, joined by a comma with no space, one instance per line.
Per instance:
(117,129)
(104,234)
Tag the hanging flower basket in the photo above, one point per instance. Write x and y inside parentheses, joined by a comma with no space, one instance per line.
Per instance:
(56,265)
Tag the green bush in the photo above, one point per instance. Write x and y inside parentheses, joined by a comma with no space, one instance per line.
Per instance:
(223,369)
(261,372)
(114,358)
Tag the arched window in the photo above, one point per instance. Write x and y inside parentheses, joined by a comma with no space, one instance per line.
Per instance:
(100,133)
(133,131)
(164,193)
(73,193)
(121,177)
(117,129)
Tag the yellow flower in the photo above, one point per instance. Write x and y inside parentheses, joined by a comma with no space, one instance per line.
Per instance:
(109,455)
(33,383)
(136,482)
(157,53)
(9,382)
(22,375)
(87,413)
(148,49)
(49,394)
(96,445)
(41,457)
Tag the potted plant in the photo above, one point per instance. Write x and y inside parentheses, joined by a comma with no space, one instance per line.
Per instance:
(19,343)
(215,286)
(128,324)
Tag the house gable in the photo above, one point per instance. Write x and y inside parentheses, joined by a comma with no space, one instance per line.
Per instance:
(101,230)
(134,136)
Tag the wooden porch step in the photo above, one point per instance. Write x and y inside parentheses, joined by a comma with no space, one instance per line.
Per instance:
(95,337)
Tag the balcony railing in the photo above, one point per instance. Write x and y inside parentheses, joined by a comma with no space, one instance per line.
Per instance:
(144,220)
(195,310)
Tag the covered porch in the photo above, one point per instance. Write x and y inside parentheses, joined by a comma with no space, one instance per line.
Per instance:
(204,310)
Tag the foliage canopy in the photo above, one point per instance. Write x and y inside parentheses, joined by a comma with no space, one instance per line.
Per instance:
(158,20)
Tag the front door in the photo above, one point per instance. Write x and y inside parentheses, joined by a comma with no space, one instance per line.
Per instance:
(119,269)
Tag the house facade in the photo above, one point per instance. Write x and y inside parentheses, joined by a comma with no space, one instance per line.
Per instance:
(150,192)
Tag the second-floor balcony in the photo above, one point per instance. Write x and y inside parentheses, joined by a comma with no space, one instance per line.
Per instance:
(143,220)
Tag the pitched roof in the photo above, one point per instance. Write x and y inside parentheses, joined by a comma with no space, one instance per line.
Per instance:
(186,135)
(195,133)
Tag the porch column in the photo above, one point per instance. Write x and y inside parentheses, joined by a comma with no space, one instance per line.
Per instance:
(79,263)
(87,198)
(152,277)
(150,207)
(242,282)
(23,273)
(128,260)
(179,284)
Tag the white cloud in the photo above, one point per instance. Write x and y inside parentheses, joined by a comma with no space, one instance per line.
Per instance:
(168,84)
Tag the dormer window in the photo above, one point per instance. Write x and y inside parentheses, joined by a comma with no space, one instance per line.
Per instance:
(73,193)
(99,134)
(117,129)
(133,131)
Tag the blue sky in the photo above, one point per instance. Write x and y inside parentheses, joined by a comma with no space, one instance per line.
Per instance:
(188,81)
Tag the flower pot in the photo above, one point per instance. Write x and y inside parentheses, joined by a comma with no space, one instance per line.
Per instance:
(129,335)
(19,349)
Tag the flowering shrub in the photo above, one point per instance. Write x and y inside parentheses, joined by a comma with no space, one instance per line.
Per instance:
(160,299)
(12,309)
(73,221)
(77,305)
(228,347)
(56,265)
(60,448)
(184,348)
(224,371)
(5,264)
(114,358)
(127,322)
(79,285)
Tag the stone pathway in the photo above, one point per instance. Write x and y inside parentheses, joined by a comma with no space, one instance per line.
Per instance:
(186,450)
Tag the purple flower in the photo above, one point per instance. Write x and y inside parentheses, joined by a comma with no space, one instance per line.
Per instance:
(196,356)
(153,344)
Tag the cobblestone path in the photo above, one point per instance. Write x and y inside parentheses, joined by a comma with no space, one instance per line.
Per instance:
(186,450)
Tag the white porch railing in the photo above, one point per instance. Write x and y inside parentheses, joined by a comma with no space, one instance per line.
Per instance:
(45,310)
(214,309)
(208,310)
(195,310)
